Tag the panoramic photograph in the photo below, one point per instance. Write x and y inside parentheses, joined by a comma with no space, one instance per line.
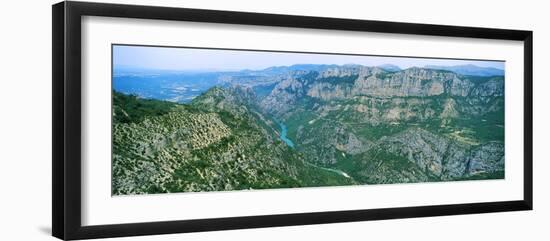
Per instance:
(204,120)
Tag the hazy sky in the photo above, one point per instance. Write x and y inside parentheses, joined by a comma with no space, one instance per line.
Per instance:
(203,59)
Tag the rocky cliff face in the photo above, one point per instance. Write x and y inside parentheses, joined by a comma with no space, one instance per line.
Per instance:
(284,95)
(410,82)
(417,155)
(372,87)
(380,126)
(442,157)
(376,82)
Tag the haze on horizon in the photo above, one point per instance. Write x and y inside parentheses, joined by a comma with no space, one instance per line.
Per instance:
(189,59)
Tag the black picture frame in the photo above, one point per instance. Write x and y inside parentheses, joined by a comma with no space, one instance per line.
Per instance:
(66,127)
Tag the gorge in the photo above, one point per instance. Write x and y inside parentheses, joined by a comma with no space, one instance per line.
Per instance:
(307,126)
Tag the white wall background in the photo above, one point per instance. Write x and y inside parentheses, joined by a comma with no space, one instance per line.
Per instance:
(25,119)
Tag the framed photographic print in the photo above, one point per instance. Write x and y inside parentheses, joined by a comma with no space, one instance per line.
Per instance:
(170,120)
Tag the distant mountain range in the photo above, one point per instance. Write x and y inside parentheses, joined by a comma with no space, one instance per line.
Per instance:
(390,67)
(469,69)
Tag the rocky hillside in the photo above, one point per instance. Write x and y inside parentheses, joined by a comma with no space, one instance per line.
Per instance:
(213,144)
(417,155)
